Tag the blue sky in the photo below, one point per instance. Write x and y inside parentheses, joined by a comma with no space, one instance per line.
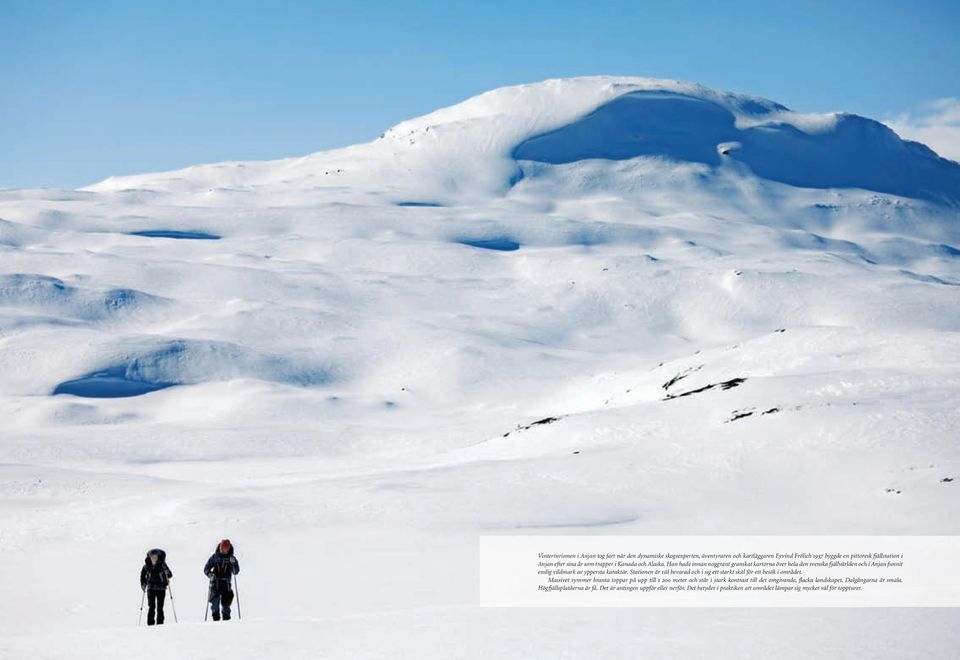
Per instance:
(94,88)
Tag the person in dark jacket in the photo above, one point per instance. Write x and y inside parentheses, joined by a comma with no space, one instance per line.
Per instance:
(154,578)
(220,569)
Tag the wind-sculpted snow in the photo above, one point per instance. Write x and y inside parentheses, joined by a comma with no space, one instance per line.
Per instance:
(15,235)
(168,233)
(600,305)
(502,244)
(53,296)
(853,152)
(185,362)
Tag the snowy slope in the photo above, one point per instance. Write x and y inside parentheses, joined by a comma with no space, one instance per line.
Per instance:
(335,360)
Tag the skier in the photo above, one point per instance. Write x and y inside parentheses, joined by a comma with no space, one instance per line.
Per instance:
(220,569)
(154,578)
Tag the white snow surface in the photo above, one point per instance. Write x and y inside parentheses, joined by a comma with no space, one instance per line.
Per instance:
(335,361)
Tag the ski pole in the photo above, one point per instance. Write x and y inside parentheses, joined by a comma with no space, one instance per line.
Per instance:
(142,597)
(237,583)
(210,587)
(172,604)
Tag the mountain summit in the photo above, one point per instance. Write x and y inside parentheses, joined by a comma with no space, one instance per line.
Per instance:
(487,144)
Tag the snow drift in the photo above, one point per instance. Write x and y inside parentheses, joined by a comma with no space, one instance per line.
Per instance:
(847,152)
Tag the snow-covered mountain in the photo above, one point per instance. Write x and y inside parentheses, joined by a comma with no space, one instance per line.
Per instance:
(596,305)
